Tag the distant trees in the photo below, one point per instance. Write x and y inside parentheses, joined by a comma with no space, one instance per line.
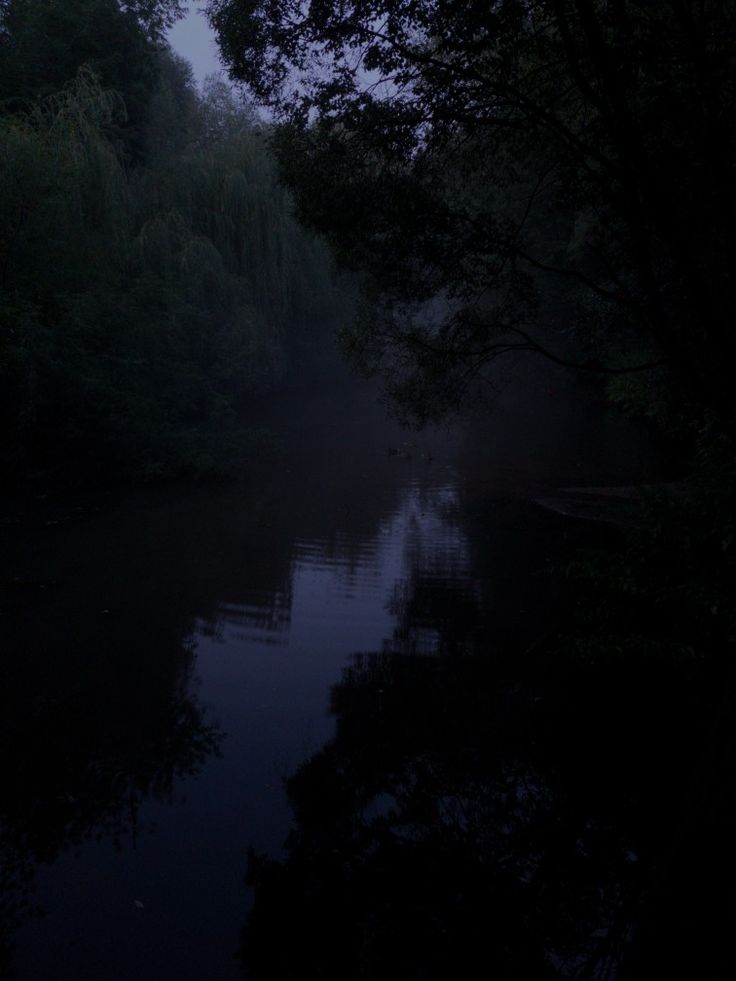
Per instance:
(502,169)
(149,264)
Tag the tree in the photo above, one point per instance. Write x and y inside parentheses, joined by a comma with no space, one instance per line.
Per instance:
(473,158)
(155,15)
(147,300)
(45,44)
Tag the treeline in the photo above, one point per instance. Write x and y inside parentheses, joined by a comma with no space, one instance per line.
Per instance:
(528,163)
(151,272)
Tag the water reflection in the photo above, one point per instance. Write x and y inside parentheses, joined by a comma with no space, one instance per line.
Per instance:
(479,801)
(108,682)
(168,610)
(99,717)
(398,587)
(82,747)
(461,816)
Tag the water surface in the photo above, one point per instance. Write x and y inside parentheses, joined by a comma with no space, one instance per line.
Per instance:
(169,655)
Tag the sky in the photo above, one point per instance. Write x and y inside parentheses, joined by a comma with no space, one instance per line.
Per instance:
(192,38)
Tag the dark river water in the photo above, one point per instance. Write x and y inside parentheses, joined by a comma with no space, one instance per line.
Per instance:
(170,658)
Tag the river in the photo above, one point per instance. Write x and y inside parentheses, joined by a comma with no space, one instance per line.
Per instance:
(169,654)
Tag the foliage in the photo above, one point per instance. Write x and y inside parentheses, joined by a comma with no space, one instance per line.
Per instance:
(666,593)
(144,304)
(491,165)
(45,44)
(155,15)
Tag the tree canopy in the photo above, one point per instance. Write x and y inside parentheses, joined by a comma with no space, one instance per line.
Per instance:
(150,268)
(501,170)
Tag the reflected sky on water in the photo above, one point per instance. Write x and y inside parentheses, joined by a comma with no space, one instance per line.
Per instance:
(169,656)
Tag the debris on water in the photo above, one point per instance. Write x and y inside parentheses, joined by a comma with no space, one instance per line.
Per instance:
(138,904)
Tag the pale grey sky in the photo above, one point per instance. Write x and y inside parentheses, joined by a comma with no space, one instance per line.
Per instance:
(192,38)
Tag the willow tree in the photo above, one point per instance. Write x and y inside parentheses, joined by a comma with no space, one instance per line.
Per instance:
(44,43)
(64,216)
(144,307)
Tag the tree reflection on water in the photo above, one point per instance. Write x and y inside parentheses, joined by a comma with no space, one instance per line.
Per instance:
(470,810)
(86,739)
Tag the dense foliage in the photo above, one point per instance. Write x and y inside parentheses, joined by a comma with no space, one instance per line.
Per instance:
(150,266)
(503,171)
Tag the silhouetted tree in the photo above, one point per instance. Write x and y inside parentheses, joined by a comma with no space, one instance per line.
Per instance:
(500,168)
